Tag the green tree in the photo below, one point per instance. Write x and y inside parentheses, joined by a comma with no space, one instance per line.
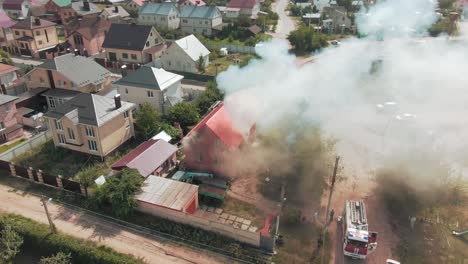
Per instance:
(348,4)
(305,39)
(208,98)
(5,57)
(244,21)
(441,26)
(185,113)
(10,243)
(59,258)
(201,64)
(446,4)
(119,192)
(148,121)
(171,131)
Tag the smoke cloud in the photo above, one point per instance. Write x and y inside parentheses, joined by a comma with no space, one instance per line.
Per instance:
(394,91)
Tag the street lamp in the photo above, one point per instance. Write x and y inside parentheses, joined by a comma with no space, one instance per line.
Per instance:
(45,201)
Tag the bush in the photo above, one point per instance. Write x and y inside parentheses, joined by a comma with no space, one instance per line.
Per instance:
(37,236)
(305,40)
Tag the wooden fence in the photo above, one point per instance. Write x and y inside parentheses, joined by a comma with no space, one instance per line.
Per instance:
(39,177)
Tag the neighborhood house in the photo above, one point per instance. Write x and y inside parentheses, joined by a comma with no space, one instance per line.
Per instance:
(163,15)
(185,55)
(87,35)
(9,127)
(200,19)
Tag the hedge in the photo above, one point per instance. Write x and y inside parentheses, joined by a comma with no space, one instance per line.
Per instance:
(37,235)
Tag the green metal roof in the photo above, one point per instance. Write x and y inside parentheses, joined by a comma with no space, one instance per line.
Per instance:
(62,3)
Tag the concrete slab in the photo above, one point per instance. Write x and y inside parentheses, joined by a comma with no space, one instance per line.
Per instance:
(240,220)
(224,215)
(218,211)
(247,222)
(236,225)
(210,209)
(253,229)
(244,227)
(222,221)
(232,217)
(229,222)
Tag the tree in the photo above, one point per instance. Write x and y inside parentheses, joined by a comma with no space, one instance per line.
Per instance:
(59,258)
(244,21)
(148,121)
(201,64)
(441,26)
(185,113)
(305,39)
(208,97)
(10,243)
(348,4)
(5,57)
(119,192)
(171,131)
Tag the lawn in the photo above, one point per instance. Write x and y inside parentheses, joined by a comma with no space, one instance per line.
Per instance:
(226,61)
(6,147)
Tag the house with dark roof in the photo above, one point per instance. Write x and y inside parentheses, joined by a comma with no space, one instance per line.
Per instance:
(9,127)
(153,157)
(238,8)
(35,37)
(160,88)
(78,10)
(92,124)
(161,15)
(6,35)
(87,35)
(16,8)
(71,73)
(211,144)
(184,55)
(133,43)
(200,19)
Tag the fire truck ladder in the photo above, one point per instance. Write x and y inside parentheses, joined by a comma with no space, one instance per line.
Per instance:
(358,213)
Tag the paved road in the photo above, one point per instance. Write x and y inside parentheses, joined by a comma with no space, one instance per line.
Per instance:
(26,60)
(285,23)
(82,225)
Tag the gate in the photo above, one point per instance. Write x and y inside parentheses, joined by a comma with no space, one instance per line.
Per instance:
(21,171)
(71,185)
(49,179)
(4,165)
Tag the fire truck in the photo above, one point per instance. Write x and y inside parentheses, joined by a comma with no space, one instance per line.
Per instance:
(358,241)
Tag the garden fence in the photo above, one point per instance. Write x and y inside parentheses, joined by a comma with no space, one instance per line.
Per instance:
(33,142)
(231,48)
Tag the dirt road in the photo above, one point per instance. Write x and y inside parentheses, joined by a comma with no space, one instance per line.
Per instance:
(104,232)
(285,23)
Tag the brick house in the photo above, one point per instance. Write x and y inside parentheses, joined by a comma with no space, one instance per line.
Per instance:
(8,77)
(87,35)
(9,127)
(92,124)
(77,10)
(238,8)
(212,143)
(52,8)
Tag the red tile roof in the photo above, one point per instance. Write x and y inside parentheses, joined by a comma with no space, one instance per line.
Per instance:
(5,20)
(5,68)
(242,4)
(220,123)
(139,2)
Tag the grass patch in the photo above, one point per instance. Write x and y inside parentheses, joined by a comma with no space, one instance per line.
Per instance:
(226,61)
(6,147)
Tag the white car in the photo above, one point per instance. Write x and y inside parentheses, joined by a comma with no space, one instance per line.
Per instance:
(391,261)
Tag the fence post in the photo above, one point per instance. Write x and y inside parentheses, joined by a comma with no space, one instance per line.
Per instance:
(39,176)
(59,181)
(84,190)
(12,169)
(30,173)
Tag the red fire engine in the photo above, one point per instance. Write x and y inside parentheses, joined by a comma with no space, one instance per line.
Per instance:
(358,240)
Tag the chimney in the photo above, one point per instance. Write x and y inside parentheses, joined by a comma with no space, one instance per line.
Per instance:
(37,21)
(86,5)
(124,70)
(116,9)
(118,102)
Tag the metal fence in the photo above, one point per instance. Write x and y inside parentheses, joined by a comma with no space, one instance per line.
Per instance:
(231,48)
(49,179)
(33,142)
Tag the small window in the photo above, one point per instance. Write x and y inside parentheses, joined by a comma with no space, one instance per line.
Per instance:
(8,107)
(126,90)
(147,43)
(92,145)
(150,93)
(125,114)
(71,134)
(89,131)
(41,80)
(61,139)
(125,55)
(60,83)
(184,20)
(51,102)
(17,33)
(29,78)
(134,57)
(58,125)
(206,22)
(38,33)
(2,125)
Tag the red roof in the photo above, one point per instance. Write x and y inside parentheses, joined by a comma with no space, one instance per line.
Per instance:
(5,68)
(220,123)
(5,20)
(242,4)
(12,4)
(139,2)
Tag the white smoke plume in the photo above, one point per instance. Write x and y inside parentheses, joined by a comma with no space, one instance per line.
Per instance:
(426,77)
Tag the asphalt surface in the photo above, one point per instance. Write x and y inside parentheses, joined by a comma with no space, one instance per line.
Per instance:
(285,23)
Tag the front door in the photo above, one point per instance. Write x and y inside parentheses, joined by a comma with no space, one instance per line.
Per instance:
(112,56)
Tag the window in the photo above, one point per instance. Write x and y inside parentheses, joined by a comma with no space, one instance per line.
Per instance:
(206,22)
(59,83)
(126,114)
(126,90)
(58,125)
(40,42)
(17,33)
(134,57)
(77,39)
(61,101)
(29,78)
(125,55)
(41,80)
(61,139)
(147,43)
(162,18)
(38,33)
(2,125)
(89,131)
(92,145)
(71,134)
(150,93)
(184,20)
(199,157)
(51,102)
(46,36)
(8,107)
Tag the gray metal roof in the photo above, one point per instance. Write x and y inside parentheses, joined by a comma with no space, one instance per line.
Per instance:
(6,98)
(80,70)
(79,8)
(205,12)
(89,109)
(162,9)
(61,93)
(150,78)
(193,47)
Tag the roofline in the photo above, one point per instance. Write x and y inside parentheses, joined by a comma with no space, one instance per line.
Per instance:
(207,118)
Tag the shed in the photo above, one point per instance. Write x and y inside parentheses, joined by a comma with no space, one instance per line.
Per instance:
(160,194)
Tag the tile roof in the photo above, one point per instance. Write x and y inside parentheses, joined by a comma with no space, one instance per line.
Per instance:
(220,123)
(29,23)
(62,3)
(192,47)
(162,9)
(150,78)
(80,10)
(78,69)
(89,27)
(147,157)
(12,4)
(249,4)
(127,36)
(6,98)
(5,20)
(206,12)
(89,109)
(167,193)
(5,68)
(61,93)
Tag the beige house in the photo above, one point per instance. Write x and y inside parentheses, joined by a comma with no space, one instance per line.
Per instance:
(131,43)
(184,55)
(200,19)
(92,124)
(35,37)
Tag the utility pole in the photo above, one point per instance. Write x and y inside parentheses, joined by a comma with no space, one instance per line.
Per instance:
(44,201)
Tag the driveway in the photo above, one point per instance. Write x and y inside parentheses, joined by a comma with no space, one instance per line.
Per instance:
(26,60)
(106,232)
(285,23)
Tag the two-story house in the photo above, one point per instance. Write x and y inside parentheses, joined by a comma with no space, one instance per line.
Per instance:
(200,19)
(8,75)
(87,35)
(132,43)
(71,73)
(9,127)
(6,35)
(92,124)
(77,10)
(212,143)
(35,37)
(238,8)
(162,15)
(184,55)
(160,88)
(52,8)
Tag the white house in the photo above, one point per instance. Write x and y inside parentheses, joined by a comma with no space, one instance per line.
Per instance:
(200,19)
(184,55)
(161,15)
(160,88)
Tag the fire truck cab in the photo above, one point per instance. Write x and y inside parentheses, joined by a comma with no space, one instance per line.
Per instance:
(358,241)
